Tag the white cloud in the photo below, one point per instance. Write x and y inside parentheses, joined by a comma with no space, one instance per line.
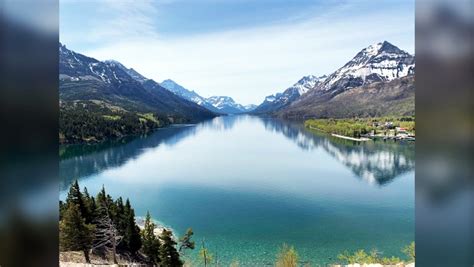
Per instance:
(249,63)
(110,21)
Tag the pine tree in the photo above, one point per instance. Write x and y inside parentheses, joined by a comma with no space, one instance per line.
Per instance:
(62,208)
(132,237)
(186,242)
(101,197)
(74,233)
(121,216)
(150,244)
(89,205)
(93,208)
(104,200)
(75,197)
(113,213)
(168,254)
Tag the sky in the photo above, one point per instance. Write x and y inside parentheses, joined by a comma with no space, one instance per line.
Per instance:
(239,48)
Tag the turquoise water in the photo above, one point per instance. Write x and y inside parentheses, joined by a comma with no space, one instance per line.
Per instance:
(246,185)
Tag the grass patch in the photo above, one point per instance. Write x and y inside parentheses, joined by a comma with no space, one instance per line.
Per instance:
(356,127)
(148,117)
(111,117)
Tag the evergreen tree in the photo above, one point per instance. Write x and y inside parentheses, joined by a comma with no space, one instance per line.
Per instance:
(121,217)
(104,200)
(89,209)
(132,239)
(150,244)
(113,213)
(168,254)
(74,233)
(186,242)
(101,199)
(62,208)
(75,197)
(93,208)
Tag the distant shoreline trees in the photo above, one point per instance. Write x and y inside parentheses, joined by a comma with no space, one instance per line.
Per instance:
(106,227)
(80,125)
(356,127)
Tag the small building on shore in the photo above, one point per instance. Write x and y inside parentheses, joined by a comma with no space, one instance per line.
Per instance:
(401,130)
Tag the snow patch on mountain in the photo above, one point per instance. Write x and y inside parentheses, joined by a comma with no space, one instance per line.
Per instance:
(378,62)
(280,100)
(130,71)
(190,95)
(76,67)
(220,104)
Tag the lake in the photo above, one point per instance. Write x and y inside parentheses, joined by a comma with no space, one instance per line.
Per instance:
(246,185)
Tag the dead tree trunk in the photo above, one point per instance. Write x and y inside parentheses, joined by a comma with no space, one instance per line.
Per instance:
(106,235)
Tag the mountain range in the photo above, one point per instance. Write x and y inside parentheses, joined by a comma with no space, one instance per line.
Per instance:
(218,104)
(378,81)
(278,101)
(111,84)
(101,100)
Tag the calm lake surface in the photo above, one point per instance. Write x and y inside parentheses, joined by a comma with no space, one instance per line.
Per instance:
(246,185)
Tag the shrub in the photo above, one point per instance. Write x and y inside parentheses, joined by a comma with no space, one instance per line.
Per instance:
(287,257)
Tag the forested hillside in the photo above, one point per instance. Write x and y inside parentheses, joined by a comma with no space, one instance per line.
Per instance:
(101,100)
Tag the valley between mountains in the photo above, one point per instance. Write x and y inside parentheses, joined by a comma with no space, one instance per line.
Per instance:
(101,100)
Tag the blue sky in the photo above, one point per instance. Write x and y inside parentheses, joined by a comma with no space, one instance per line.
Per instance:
(240,48)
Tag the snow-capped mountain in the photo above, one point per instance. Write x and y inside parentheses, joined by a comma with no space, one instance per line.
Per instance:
(190,95)
(250,107)
(77,67)
(83,78)
(226,104)
(280,100)
(378,62)
(382,68)
(130,71)
(219,104)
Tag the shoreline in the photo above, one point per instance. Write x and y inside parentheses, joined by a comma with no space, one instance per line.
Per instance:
(117,139)
(159,226)
(362,139)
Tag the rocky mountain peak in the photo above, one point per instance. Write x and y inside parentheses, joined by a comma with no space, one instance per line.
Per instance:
(378,62)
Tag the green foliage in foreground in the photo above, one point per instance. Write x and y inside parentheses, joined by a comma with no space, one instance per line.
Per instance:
(105,226)
(151,243)
(168,254)
(287,257)
(205,255)
(362,257)
(186,242)
(359,126)
(75,234)
(410,251)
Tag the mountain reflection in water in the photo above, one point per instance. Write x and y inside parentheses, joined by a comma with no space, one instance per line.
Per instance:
(377,162)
